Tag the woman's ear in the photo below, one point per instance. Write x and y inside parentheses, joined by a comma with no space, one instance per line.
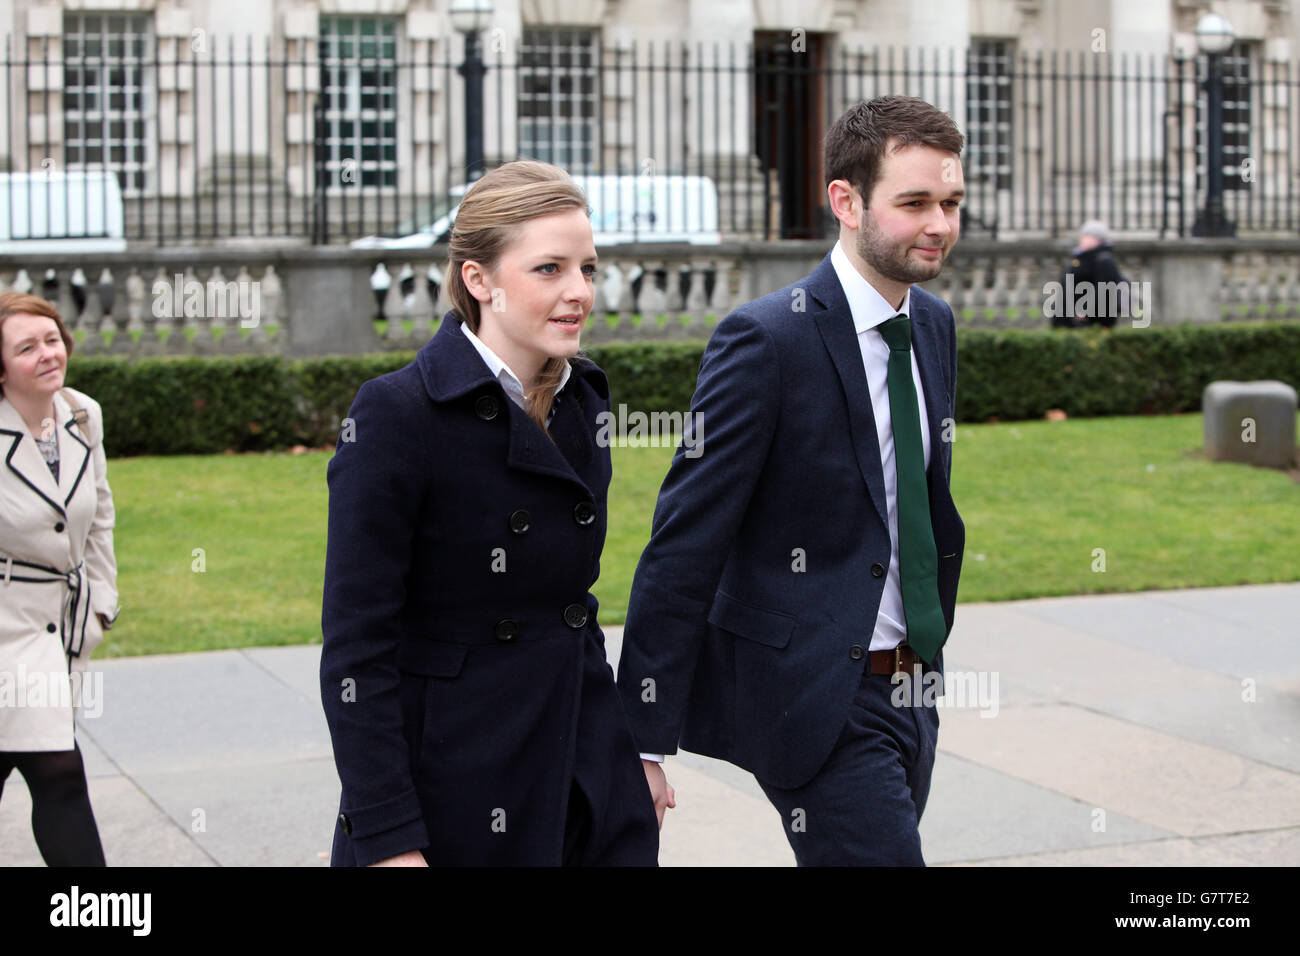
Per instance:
(476,281)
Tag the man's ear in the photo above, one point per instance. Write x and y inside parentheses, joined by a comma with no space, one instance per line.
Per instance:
(846,203)
(476,280)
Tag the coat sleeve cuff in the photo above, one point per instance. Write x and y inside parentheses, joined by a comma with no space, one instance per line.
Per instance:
(384,830)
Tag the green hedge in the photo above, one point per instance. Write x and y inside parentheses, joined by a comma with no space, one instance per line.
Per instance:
(205,405)
(1022,374)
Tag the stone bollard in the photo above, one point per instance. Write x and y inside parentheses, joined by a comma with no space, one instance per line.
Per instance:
(1251,422)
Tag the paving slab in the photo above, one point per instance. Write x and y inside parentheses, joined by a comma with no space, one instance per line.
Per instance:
(1039,660)
(976,813)
(1120,767)
(1219,632)
(201,711)
(297,667)
(260,814)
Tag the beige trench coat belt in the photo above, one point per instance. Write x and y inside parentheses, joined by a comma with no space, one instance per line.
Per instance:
(76,604)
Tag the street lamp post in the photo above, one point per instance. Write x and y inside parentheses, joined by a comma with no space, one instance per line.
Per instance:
(1214,36)
(470,17)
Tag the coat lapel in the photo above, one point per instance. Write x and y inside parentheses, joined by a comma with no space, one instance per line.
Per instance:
(74,451)
(451,367)
(841,339)
(569,428)
(531,450)
(23,458)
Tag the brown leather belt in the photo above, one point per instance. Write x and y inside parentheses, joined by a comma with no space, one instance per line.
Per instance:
(901,658)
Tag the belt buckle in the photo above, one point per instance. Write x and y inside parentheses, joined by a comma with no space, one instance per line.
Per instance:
(898,658)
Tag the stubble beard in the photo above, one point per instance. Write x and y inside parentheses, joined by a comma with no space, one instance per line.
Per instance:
(890,260)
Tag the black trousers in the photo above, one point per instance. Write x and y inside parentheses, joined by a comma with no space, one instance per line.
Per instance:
(62,821)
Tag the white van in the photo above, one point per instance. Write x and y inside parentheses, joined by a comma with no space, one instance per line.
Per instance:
(623,209)
(66,211)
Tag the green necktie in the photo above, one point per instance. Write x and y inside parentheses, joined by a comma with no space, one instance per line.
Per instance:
(918,559)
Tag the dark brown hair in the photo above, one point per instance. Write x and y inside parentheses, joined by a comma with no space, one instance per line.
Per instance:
(20,303)
(856,143)
(489,215)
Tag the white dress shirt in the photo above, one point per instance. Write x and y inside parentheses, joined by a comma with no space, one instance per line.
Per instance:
(869,310)
(508,379)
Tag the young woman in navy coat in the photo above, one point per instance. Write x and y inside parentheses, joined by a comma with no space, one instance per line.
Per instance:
(473,715)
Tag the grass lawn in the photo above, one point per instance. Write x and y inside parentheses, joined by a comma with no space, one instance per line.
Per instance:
(1038,499)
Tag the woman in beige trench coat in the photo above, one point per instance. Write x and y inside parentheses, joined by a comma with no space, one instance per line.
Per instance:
(58,576)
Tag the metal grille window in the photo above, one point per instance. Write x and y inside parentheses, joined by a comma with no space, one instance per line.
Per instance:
(557,96)
(108,96)
(358,87)
(988,112)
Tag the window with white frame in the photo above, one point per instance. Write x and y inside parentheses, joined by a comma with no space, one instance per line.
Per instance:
(358,84)
(557,95)
(989,69)
(108,96)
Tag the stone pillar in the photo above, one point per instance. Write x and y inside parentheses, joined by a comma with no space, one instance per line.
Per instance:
(330,306)
(1186,287)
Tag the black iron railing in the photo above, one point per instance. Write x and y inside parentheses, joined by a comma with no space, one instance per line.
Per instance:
(309,143)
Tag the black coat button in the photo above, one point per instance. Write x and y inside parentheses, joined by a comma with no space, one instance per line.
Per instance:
(506,630)
(51,628)
(575,615)
(584,512)
(487,407)
(345,824)
(877,570)
(58,526)
(520,521)
(856,652)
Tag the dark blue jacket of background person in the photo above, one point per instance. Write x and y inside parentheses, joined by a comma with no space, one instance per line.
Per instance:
(463,674)
(755,600)
(1091,267)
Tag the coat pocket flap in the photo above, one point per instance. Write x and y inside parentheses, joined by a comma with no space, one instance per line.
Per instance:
(772,628)
(430,658)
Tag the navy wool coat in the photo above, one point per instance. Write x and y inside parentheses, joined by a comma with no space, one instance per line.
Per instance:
(463,674)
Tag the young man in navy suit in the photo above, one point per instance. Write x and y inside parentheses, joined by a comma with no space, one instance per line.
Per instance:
(804,562)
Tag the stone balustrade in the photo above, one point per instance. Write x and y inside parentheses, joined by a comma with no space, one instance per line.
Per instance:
(304,300)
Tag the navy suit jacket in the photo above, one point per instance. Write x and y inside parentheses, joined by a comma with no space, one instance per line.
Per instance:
(756,594)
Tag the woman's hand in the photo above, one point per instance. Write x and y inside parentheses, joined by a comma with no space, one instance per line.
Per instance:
(409,858)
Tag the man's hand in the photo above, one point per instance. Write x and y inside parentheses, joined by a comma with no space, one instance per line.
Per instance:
(664,796)
(409,858)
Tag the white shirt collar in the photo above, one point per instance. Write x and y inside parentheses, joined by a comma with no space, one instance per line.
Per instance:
(501,371)
(868,306)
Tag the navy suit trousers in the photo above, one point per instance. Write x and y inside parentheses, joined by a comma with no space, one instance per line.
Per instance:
(864,805)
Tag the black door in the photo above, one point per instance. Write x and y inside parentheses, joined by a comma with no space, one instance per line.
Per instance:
(789,111)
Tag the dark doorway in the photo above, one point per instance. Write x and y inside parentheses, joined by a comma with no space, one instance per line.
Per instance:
(789,111)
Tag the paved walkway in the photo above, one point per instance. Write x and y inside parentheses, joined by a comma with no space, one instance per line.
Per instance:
(1148,729)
